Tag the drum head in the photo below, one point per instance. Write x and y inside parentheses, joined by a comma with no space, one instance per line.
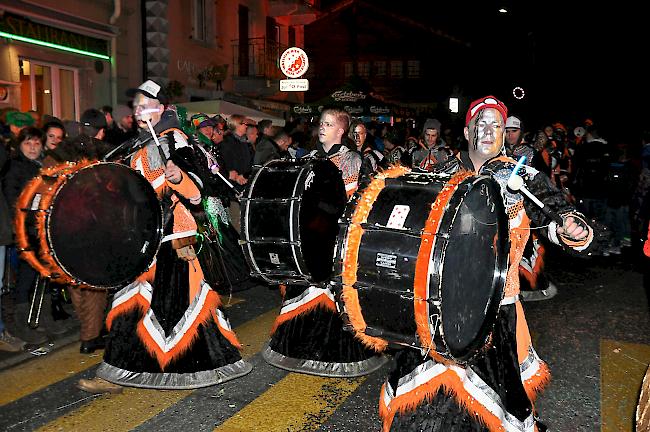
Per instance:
(323,203)
(105,225)
(475,266)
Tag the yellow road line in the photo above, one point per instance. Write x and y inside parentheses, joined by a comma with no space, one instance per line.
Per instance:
(26,378)
(135,406)
(622,367)
(307,402)
(230,301)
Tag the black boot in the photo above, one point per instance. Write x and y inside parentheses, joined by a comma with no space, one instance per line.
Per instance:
(89,346)
(58,313)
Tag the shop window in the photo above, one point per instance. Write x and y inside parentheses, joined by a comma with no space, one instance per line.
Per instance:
(49,89)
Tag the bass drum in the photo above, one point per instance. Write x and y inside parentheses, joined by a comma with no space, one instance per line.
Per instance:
(289,220)
(97,224)
(423,261)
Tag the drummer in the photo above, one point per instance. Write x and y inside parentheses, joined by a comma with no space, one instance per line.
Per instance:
(89,304)
(167,329)
(308,336)
(498,387)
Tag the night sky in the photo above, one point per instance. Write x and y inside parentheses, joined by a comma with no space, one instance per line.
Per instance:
(576,60)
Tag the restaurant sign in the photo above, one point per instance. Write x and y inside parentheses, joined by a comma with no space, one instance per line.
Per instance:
(24,30)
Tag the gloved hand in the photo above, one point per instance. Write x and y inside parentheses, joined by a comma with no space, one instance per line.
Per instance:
(186,253)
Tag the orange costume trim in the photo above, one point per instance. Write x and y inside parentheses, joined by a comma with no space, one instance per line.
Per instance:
(350,260)
(164,358)
(321,301)
(450,376)
(421,279)
(451,384)
(536,270)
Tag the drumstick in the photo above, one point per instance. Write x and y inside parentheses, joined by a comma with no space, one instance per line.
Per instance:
(516,183)
(155,138)
(237,193)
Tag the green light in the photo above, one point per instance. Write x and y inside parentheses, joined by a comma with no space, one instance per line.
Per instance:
(55,46)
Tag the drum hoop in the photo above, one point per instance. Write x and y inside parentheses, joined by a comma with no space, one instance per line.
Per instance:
(54,260)
(421,281)
(22,241)
(439,255)
(350,252)
(247,238)
(294,211)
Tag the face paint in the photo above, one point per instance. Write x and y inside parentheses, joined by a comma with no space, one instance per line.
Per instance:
(145,109)
(486,135)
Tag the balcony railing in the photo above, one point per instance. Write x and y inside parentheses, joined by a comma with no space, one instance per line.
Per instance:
(259,58)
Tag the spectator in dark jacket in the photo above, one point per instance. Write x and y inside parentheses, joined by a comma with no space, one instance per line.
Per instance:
(237,155)
(236,151)
(24,165)
(8,342)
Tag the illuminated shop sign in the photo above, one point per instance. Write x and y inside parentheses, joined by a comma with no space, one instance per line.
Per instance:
(23,30)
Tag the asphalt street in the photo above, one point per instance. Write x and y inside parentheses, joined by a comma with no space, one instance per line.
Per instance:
(594,335)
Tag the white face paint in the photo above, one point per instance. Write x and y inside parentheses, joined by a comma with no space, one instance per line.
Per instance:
(145,109)
(485,136)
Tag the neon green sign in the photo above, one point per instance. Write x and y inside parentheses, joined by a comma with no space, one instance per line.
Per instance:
(20,29)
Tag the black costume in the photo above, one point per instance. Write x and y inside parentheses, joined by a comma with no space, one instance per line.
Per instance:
(496,389)
(167,330)
(308,336)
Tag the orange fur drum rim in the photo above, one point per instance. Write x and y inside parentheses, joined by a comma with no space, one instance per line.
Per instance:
(43,263)
(421,279)
(351,259)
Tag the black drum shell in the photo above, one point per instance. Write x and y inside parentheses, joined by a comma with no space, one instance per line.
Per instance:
(289,220)
(387,259)
(103,225)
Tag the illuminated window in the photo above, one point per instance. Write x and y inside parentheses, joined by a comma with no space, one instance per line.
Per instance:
(380,68)
(396,69)
(347,69)
(49,89)
(364,69)
(413,68)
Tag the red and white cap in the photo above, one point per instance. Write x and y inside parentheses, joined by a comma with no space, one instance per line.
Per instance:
(483,103)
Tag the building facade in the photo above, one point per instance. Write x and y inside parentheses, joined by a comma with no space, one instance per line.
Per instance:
(225,49)
(60,57)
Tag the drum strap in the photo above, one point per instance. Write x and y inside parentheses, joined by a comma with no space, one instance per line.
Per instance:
(171,141)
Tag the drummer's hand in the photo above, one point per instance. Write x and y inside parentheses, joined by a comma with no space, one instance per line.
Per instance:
(571,229)
(173,173)
(186,253)
(242,180)
(232,175)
